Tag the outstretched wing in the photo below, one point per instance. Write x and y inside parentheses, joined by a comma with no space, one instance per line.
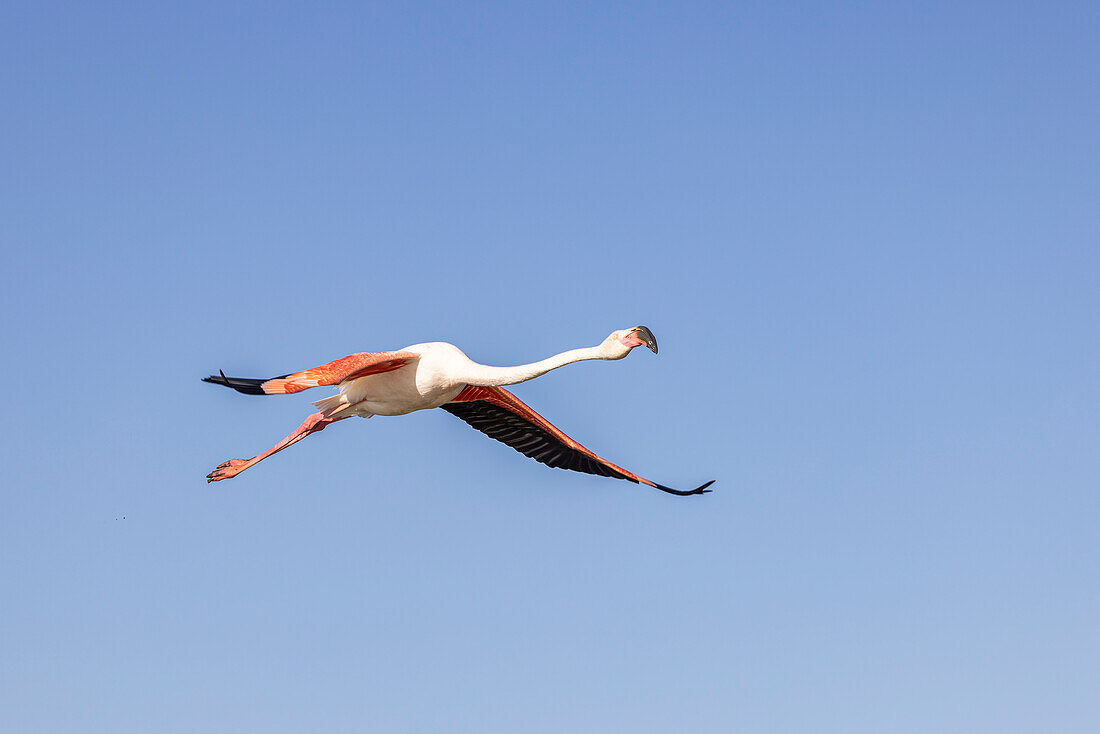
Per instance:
(351,367)
(501,415)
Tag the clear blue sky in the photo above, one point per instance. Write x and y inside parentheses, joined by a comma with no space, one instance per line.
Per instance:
(866,238)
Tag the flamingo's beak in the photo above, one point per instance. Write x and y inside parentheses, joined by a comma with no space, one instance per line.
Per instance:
(646,337)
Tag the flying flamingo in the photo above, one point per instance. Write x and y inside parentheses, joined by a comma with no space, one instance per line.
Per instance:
(439,375)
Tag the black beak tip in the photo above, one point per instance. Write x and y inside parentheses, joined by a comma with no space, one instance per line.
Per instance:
(647,338)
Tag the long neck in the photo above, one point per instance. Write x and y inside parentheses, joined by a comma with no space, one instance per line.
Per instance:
(486,376)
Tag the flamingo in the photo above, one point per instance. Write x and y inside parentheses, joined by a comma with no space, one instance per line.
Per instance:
(439,375)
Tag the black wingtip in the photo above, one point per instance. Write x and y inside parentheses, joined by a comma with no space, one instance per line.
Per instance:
(246,385)
(216,380)
(701,489)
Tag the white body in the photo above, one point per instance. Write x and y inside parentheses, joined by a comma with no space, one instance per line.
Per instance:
(425,383)
(439,375)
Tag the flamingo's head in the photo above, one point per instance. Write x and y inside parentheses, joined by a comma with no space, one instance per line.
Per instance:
(619,344)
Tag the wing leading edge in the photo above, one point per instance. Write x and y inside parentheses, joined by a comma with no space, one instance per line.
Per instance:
(351,367)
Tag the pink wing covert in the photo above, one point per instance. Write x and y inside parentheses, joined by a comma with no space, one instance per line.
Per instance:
(351,367)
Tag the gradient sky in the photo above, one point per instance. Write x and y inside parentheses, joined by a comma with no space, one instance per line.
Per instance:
(867,239)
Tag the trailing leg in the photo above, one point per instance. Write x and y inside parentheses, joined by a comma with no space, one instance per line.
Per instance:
(312,424)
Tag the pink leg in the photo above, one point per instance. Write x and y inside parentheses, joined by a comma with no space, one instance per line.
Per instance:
(312,424)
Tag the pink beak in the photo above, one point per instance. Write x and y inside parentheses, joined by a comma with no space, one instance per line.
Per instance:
(643,336)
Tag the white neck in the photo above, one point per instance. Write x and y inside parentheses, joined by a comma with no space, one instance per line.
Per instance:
(486,376)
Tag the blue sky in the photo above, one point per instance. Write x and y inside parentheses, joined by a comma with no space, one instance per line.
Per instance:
(865,237)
